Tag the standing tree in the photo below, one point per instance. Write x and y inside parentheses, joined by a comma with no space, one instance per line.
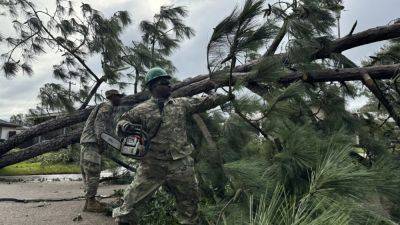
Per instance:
(76,36)
(159,39)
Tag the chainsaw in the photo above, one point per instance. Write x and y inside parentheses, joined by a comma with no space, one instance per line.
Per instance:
(133,146)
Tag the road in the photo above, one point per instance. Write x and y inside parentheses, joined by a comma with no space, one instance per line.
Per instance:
(52,212)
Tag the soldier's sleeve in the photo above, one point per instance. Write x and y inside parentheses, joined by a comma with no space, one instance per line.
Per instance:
(102,118)
(204,103)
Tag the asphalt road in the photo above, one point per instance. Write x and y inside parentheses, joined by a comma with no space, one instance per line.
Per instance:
(42,213)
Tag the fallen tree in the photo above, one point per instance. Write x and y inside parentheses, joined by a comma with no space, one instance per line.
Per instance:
(205,85)
(61,141)
(42,128)
(184,88)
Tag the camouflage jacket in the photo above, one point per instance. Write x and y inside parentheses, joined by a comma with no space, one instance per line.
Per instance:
(170,142)
(101,119)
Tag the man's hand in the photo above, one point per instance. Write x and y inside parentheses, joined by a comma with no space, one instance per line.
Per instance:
(130,128)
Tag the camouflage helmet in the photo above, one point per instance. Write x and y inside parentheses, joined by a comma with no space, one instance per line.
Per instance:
(155,73)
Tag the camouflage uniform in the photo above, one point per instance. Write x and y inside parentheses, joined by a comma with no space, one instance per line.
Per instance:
(100,120)
(168,163)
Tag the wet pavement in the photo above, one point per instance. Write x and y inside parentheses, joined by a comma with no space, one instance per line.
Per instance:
(46,213)
(51,177)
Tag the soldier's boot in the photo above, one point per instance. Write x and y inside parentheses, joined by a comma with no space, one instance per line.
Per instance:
(125,222)
(92,205)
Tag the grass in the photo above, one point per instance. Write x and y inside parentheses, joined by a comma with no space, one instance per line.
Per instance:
(28,168)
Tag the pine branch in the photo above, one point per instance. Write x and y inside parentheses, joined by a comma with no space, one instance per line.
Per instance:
(370,84)
(278,39)
(92,92)
(353,28)
(71,51)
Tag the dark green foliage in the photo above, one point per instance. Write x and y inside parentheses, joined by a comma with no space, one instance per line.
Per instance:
(238,33)
(320,176)
(65,156)
(159,210)
(54,97)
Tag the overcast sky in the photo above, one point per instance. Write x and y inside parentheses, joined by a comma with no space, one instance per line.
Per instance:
(19,94)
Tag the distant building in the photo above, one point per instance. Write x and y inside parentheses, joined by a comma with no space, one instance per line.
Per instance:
(8,130)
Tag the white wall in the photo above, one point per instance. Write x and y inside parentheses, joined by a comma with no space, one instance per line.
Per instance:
(6,130)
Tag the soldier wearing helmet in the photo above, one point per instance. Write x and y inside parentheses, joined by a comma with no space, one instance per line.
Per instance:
(100,120)
(168,162)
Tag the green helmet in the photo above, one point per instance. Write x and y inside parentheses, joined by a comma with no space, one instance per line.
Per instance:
(154,73)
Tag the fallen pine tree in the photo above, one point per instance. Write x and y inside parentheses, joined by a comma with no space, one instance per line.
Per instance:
(205,85)
(200,83)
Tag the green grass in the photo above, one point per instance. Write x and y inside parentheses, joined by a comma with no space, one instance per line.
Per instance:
(27,168)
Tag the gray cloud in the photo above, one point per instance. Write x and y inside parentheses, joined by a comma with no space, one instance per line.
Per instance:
(19,94)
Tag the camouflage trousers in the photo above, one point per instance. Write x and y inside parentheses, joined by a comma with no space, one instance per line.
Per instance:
(177,177)
(91,167)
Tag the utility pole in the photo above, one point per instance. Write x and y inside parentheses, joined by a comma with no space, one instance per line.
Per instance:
(338,15)
(70,83)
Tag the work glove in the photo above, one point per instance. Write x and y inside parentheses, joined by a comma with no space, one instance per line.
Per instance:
(130,128)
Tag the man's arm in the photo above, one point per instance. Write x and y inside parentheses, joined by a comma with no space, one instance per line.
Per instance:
(202,104)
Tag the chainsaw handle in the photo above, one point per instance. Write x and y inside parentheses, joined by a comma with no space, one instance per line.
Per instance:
(131,129)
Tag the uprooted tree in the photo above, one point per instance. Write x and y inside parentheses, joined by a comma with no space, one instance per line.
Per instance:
(293,129)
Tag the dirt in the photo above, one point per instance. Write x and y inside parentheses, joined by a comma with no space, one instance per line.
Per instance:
(46,213)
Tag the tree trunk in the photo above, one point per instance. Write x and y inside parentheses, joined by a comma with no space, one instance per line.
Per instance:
(136,81)
(365,37)
(347,74)
(214,156)
(45,127)
(278,39)
(38,149)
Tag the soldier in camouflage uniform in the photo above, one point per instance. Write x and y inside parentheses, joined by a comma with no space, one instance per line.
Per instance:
(100,120)
(168,162)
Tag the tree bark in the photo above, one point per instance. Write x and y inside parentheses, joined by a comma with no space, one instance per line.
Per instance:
(136,84)
(42,128)
(362,38)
